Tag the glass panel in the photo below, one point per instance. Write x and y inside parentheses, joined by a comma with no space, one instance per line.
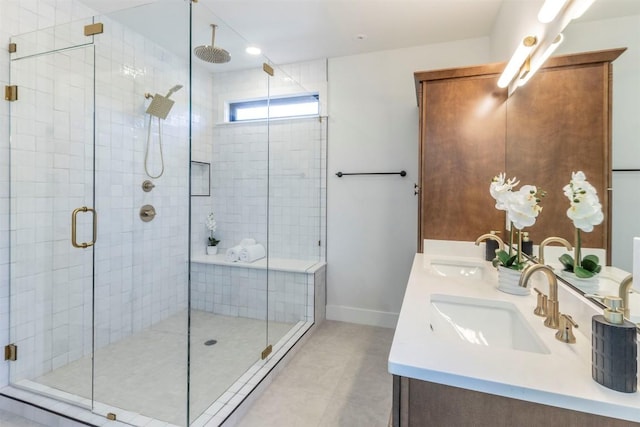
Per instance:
(51,175)
(141,278)
(51,39)
(296,171)
(228,298)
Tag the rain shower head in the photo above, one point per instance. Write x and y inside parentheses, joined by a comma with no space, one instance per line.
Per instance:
(161,105)
(211,53)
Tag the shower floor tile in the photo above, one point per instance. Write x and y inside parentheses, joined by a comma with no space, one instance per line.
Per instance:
(146,372)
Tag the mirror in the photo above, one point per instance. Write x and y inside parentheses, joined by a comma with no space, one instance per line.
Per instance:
(585,36)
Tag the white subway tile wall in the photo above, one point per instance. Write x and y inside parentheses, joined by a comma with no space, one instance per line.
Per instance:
(244,292)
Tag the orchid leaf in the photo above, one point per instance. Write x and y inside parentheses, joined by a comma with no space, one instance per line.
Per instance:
(567,261)
(583,273)
(589,264)
(503,257)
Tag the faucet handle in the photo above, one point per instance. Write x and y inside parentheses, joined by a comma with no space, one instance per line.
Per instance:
(565,331)
(541,307)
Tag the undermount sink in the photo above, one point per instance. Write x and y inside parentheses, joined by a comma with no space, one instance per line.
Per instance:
(497,324)
(469,269)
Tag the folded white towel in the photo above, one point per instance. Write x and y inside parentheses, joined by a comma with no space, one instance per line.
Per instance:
(247,242)
(233,254)
(252,253)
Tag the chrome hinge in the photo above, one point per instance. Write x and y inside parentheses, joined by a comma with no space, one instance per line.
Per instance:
(93,29)
(11,352)
(11,93)
(13,47)
(267,68)
(266,352)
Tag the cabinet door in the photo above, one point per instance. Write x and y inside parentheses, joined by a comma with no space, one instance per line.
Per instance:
(462,148)
(558,123)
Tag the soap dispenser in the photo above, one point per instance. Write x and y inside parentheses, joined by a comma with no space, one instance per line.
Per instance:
(527,244)
(614,350)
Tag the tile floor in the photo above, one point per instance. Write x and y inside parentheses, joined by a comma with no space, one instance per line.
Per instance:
(338,378)
(8,419)
(146,373)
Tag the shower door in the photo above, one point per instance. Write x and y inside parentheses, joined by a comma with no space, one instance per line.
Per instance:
(52,218)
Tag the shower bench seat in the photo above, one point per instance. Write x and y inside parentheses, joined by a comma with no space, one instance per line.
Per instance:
(274,264)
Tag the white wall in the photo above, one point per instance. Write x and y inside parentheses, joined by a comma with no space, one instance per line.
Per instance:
(372,220)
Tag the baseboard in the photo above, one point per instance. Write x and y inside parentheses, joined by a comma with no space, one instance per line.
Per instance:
(362,316)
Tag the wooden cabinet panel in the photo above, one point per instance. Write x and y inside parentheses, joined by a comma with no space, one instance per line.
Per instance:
(462,149)
(420,403)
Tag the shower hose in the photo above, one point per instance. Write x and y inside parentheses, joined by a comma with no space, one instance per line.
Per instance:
(146,154)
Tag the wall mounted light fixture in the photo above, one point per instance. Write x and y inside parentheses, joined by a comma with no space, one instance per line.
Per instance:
(515,63)
(550,10)
(534,50)
(536,63)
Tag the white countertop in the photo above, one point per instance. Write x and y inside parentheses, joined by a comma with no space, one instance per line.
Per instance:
(561,378)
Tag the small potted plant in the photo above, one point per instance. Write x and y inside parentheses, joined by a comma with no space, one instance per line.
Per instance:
(212,242)
(585,211)
(522,208)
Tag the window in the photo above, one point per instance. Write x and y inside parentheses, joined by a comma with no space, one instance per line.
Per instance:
(292,106)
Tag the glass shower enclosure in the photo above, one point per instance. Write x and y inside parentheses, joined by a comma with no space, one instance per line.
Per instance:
(115,305)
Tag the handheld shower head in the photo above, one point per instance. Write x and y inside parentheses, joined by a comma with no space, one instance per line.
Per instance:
(210,53)
(161,105)
(173,90)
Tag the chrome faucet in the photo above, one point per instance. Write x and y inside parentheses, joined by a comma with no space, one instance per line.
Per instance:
(553,306)
(549,240)
(490,236)
(623,292)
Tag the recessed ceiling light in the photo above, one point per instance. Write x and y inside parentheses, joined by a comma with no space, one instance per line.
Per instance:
(253,50)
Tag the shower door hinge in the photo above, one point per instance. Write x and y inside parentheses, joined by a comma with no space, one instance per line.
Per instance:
(11,93)
(11,352)
(13,47)
(267,68)
(93,29)
(266,352)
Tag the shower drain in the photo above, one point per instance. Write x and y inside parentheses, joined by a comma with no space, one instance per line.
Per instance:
(210,342)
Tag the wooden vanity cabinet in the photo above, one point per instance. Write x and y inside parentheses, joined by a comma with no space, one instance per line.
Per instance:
(422,404)
(470,130)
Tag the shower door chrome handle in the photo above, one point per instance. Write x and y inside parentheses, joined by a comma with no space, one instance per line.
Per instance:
(74,216)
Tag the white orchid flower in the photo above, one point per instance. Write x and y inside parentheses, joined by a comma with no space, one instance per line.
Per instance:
(586,212)
(585,209)
(501,189)
(522,207)
(211,223)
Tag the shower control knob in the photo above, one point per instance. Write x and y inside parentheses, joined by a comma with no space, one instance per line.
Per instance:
(147,213)
(147,186)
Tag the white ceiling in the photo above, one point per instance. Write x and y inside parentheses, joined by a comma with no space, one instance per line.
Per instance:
(297,30)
